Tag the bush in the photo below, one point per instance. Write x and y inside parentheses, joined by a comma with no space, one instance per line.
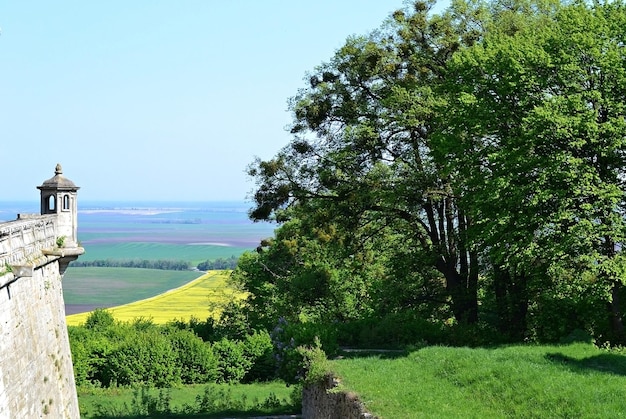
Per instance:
(233,323)
(196,361)
(566,305)
(391,331)
(146,358)
(90,350)
(99,319)
(232,363)
(313,363)
(80,355)
(288,337)
(258,348)
(143,353)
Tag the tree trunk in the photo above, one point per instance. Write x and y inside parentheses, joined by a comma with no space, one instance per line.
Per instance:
(463,291)
(511,303)
(617,322)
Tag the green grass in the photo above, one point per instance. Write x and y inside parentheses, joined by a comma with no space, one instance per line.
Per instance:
(120,400)
(573,381)
(116,286)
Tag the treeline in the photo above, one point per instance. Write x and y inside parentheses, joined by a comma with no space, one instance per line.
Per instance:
(172,265)
(219,264)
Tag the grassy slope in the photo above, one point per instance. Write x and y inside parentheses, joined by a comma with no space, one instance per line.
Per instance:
(574,381)
(192,299)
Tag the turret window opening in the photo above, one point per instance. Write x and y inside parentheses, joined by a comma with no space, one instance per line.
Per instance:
(66,202)
(52,203)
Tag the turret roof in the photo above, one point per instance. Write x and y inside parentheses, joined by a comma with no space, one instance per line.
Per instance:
(58,181)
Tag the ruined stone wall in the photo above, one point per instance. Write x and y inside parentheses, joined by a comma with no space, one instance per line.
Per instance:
(36,373)
(323,401)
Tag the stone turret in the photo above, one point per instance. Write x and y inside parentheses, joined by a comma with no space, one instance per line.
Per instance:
(36,373)
(58,196)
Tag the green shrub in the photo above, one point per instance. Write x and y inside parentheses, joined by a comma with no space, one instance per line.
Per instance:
(566,306)
(90,350)
(314,365)
(80,356)
(141,324)
(391,331)
(232,362)
(99,319)
(258,348)
(288,337)
(233,323)
(146,358)
(196,361)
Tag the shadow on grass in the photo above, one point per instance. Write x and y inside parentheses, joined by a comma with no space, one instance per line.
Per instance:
(607,363)
(351,353)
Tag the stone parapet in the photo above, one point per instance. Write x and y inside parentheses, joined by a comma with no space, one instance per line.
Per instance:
(23,240)
(36,373)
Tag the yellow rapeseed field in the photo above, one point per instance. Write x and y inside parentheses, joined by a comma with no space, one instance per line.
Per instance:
(200,298)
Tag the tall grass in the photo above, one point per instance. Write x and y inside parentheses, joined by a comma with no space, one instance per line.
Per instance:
(573,381)
(200,298)
(199,401)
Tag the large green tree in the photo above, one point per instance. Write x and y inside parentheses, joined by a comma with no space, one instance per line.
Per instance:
(538,130)
(488,141)
(362,153)
(310,274)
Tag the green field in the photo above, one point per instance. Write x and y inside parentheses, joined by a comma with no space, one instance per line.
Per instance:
(159,251)
(198,298)
(115,286)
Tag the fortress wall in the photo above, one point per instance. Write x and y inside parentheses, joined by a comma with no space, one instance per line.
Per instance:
(24,239)
(36,372)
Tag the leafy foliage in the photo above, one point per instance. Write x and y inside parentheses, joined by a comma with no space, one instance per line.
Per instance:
(218,263)
(141,353)
(233,363)
(144,357)
(213,401)
(458,163)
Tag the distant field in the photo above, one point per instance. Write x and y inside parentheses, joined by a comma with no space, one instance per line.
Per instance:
(197,298)
(176,231)
(194,253)
(107,287)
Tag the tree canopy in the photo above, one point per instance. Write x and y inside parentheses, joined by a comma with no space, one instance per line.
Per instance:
(467,165)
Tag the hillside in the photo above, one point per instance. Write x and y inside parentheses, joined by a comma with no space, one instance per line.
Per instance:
(522,381)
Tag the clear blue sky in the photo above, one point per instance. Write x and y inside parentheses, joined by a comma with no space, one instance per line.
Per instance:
(158,100)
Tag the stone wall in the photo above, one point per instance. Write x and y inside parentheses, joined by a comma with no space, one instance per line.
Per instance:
(36,373)
(25,238)
(323,401)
